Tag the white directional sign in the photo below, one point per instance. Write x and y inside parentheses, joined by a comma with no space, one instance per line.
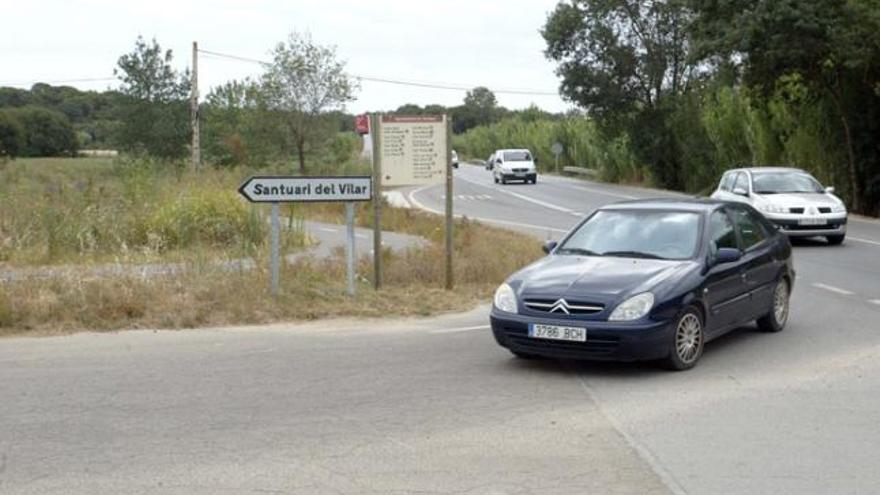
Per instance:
(291,189)
(412,149)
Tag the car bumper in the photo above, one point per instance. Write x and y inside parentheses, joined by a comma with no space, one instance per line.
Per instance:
(834,225)
(605,341)
(528,176)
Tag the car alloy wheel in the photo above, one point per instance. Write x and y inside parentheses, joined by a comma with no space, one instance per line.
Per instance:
(780,303)
(689,338)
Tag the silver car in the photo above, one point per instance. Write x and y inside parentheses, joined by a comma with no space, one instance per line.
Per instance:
(790,198)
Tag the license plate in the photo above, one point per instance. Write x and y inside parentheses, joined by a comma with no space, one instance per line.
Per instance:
(812,221)
(554,332)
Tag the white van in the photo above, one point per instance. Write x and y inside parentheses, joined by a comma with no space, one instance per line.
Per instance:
(514,164)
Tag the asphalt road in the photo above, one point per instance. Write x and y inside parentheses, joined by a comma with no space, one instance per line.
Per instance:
(434,406)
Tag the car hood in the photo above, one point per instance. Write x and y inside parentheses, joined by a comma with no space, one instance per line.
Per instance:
(799,199)
(596,277)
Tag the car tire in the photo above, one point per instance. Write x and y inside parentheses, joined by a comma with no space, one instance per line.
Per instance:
(534,181)
(496,179)
(688,340)
(503,181)
(777,317)
(525,355)
(835,240)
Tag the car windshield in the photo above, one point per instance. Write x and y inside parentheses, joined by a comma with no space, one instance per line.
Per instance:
(636,234)
(517,156)
(785,182)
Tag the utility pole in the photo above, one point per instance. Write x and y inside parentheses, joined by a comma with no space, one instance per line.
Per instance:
(194,108)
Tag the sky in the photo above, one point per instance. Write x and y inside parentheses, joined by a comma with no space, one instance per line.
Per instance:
(464,43)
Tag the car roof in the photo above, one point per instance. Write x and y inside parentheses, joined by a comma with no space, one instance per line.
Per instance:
(512,149)
(685,204)
(760,169)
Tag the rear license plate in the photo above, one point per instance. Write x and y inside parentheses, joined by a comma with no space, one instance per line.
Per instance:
(812,221)
(553,332)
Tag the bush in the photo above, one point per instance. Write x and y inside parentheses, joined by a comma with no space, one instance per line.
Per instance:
(47,132)
(12,137)
(207,217)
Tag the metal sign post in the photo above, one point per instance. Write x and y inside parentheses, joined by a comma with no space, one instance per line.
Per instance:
(557,150)
(294,189)
(349,246)
(275,263)
(449,217)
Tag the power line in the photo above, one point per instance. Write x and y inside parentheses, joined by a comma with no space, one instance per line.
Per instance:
(400,82)
(60,81)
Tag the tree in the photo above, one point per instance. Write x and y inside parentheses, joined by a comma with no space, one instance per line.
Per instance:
(47,132)
(626,62)
(12,138)
(303,82)
(155,116)
(832,47)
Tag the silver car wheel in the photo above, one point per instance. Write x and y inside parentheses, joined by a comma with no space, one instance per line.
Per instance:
(780,303)
(688,338)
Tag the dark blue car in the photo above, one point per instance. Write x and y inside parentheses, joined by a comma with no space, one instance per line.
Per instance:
(648,280)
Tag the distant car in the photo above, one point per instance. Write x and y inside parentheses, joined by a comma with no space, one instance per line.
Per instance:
(790,198)
(645,280)
(454,159)
(514,164)
(490,162)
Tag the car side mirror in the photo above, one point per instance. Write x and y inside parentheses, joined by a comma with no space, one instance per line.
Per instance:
(549,246)
(740,191)
(829,189)
(727,255)
(535,160)
(498,161)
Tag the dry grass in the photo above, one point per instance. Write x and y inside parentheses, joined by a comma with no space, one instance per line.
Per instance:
(205,295)
(311,289)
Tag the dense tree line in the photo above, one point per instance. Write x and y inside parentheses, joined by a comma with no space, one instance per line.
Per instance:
(696,86)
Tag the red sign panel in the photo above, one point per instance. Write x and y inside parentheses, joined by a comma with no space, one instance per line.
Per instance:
(362,124)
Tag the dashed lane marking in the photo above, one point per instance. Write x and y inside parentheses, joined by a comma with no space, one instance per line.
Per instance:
(874,301)
(831,288)
(866,241)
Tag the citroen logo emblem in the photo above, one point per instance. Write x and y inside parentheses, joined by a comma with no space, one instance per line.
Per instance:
(560,306)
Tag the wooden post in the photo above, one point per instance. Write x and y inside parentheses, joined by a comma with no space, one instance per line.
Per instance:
(194,108)
(375,130)
(449,213)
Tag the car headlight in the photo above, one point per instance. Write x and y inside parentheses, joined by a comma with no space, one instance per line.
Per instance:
(771,208)
(840,208)
(633,308)
(505,299)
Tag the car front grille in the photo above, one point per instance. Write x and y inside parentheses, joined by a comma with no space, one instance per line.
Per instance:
(595,345)
(824,209)
(563,306)
(796,210)
(520,170)
(827,226)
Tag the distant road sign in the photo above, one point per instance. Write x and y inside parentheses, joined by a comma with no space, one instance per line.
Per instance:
(292,189)
(362,124)
(556,148)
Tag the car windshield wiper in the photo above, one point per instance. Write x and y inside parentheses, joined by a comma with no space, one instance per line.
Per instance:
(633,254)
(581,251)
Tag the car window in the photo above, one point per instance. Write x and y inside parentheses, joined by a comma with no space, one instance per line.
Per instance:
(750,228)
(636,233)
(786,182)
(741,182)
(517,156)
(727,182)
(721,231)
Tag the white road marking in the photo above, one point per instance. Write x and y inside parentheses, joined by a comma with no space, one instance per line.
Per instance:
(831,288)
(327,229)
(457,330)
(419,205)
(859,239)
(524,198)
(874,301)
(361,236)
